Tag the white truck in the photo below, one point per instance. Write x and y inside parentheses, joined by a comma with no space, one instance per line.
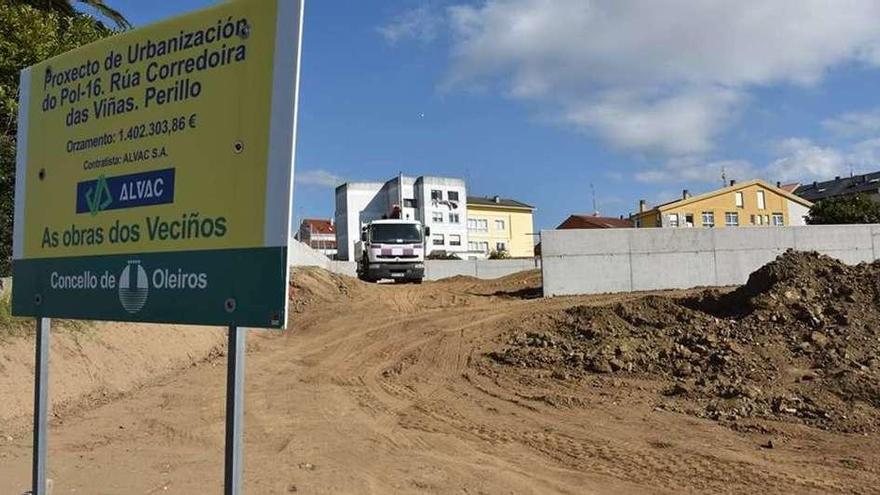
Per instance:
(392,249)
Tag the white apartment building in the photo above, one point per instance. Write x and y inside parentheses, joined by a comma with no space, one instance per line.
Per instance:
(440,203)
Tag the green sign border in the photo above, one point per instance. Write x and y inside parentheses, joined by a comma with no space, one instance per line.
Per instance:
(244,287)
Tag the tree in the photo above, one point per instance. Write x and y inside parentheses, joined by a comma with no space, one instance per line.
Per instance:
(66,8)
(499,254)
(845,209)
(442,255)
(28,35)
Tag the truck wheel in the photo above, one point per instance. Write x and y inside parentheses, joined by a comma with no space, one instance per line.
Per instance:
(417,281)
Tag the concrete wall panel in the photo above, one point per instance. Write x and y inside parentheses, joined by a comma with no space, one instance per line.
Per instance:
(734,267)
(650,241)
(575,263)
(758,238)
(440,269)
(681,270)
(300,254)
(600,273)
(348,268)
(832,237)
(571,242)
(489,269)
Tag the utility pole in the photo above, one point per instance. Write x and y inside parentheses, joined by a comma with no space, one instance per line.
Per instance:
(595,205)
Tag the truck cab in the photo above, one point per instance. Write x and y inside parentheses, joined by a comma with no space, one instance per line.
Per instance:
(392,249)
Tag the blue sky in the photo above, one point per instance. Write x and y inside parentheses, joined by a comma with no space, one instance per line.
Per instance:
(537,99)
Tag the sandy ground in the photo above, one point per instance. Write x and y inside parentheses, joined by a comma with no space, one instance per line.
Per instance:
(382,389)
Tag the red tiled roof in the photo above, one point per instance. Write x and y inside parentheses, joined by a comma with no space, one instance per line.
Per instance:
(593,222)
(790,187)
(319,226)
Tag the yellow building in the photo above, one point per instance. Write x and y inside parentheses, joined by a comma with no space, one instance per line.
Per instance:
(499,224)
(752,203)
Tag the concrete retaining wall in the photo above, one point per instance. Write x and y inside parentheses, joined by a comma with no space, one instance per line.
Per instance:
(303,255)
(300,254)
(343,268)
(484,269)
(625,260)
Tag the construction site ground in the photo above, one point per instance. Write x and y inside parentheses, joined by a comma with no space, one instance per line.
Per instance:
(465,386)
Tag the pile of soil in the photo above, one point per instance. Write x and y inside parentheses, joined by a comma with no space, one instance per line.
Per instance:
(311,285)
(799,342)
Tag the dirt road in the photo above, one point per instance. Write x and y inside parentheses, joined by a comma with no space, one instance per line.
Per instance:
(384,389)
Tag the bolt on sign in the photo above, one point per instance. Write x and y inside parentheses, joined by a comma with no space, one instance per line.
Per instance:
(154,172)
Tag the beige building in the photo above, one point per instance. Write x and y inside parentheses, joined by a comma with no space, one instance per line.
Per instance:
(500,224)
(752,203)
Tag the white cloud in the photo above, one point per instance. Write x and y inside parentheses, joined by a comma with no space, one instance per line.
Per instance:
(665,124)
(421,23)
(690,170)
(662,77)
(803,160)
(798,160)
(855,124)
(317,177)
(865,155)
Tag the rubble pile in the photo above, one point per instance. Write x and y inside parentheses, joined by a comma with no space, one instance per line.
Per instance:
(799,342)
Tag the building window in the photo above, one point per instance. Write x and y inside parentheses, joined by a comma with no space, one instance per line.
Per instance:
(454,218)
(436,194)
(501,246)
(409,203)
(731,219)
(499,224)
(438,240)
(761,200)
(739,200)
(437,217)
(482,247)
(478,224)
(689,220)
(778,220)
(454,240)
(673,219)
(708,219)
(453,195)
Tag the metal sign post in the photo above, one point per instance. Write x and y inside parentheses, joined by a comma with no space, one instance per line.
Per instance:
(235,367)
(41,406)
(234,411)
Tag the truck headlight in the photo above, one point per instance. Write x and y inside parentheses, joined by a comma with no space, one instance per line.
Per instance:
(374,265)
(419,265)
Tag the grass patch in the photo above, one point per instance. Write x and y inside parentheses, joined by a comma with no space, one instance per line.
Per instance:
(11,326)
(18,326)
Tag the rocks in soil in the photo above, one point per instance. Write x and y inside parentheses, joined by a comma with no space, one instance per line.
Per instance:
(800,341)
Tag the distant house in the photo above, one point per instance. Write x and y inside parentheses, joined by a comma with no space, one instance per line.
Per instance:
(500,224)
(595,222)
(789,187)
(752,203)
(319,234)
(865,184)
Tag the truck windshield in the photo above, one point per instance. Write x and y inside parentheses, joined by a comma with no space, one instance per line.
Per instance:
(396,233)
